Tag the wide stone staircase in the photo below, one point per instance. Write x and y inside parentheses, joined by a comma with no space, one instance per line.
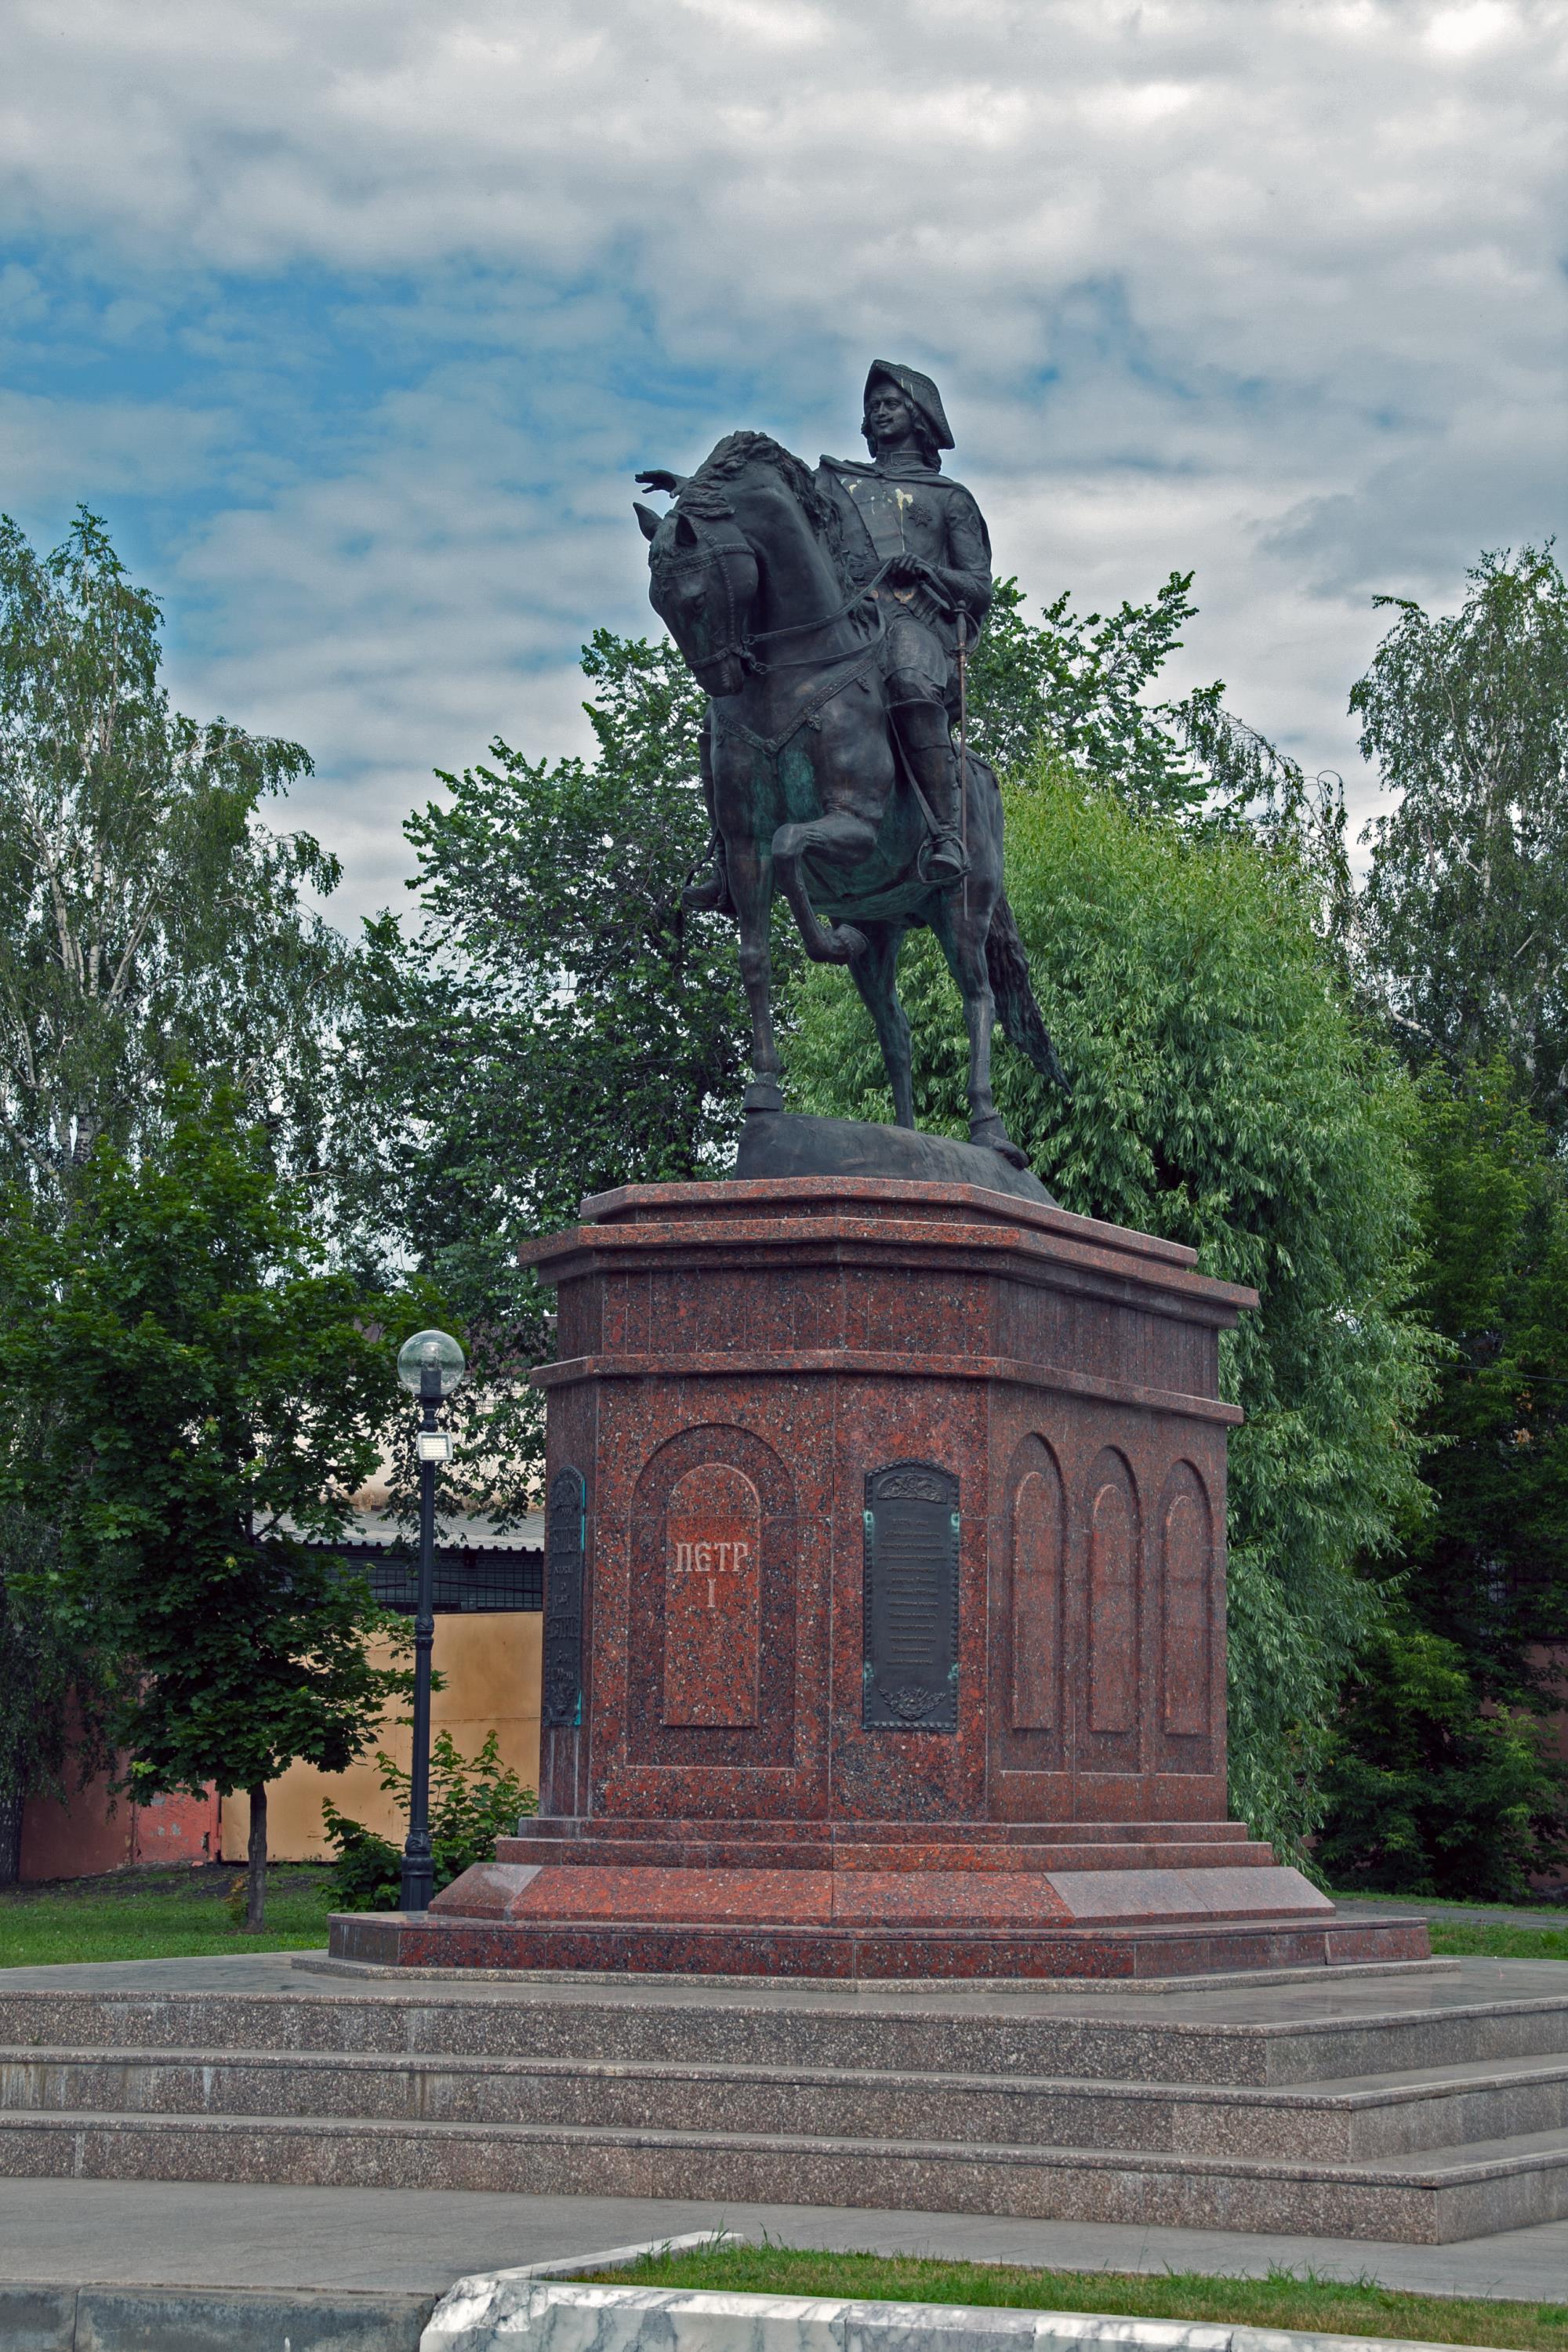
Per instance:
(1420,2106)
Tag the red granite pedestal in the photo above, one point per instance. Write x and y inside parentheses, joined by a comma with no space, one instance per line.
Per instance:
(885,1606)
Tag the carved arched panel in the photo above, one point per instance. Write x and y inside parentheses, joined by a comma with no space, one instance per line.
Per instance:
(1186,1598)
(1111,1528)
(712,1633)
(1027,1700)
(1039,1546)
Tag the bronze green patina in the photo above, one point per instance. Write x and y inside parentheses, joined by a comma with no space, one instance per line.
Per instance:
(827,617)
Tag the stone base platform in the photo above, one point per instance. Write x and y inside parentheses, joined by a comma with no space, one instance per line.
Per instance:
(884,1609)
(1418,2105)
(850,1901)
(534,1926)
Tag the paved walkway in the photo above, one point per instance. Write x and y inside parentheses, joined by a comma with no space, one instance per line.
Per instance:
(131,2233)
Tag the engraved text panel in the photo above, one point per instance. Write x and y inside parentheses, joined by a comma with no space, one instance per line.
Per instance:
(712,1595)
(910,1678)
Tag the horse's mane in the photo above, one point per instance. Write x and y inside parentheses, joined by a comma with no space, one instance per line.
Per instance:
(704,494)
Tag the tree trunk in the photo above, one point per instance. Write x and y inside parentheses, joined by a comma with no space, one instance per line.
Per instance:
(256,1862)
(11,1839)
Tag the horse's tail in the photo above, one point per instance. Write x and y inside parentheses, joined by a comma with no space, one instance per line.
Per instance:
(1017,1009)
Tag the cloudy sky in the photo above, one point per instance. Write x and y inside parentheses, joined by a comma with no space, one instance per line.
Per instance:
(355,318)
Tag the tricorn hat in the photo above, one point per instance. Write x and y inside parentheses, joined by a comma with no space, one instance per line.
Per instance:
(920,392)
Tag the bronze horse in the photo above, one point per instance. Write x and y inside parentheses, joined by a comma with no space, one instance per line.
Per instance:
(808,798)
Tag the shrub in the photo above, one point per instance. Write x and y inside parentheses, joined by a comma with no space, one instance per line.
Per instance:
(473,1802)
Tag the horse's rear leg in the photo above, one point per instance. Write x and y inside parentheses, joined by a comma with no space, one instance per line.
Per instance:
(752,889)
(961,930)
(875,974)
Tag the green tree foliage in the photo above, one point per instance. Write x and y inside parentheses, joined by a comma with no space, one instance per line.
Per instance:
(1077,685)
(1077,689)
(146,913)
(1467,902)
(557,1025)
(199,1396)
(146,916)
(1428,1794)
(1444,1780)
(1492,1562)
(1463,946)
(1224,1096)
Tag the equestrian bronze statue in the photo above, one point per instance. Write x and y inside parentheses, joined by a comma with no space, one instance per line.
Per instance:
(828,618)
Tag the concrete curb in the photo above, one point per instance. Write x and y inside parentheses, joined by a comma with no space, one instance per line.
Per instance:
(502,2312)
(206,2319)
(262,2319)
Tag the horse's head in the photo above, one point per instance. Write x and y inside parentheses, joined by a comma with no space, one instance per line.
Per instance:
(704,584)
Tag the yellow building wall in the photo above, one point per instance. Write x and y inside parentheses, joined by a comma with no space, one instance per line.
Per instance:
(491,1663)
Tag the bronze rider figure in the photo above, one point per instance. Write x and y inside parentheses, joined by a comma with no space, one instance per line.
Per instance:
(901,512)
(902,518)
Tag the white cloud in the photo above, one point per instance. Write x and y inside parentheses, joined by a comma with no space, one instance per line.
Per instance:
(1271,290)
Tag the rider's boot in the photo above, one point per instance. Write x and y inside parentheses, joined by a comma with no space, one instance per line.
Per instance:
(927,746)
(710,895)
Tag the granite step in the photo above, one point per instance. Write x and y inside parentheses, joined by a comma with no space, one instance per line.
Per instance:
(679,1831)
(1338,2121)
(720,1849)
(1472,2190)
(1297,2038)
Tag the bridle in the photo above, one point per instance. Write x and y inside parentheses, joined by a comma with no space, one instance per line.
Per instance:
(741,644)
(704,558)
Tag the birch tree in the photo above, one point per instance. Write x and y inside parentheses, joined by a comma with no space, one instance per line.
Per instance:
(1466,900)
(146,911)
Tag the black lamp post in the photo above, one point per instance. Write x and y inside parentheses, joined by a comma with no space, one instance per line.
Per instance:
(429,1365)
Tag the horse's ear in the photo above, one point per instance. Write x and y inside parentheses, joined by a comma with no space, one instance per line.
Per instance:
(685,532)
(648,522)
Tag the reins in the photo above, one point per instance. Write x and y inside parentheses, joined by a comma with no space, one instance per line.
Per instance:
(809,714)
(799,628)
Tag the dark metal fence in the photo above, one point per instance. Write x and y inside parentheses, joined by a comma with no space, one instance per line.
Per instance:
(496,1578)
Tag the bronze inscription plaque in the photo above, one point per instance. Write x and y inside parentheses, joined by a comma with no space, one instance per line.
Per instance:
(910,1675)
(561,1695)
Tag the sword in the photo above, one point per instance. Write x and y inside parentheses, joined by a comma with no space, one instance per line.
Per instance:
(962,617)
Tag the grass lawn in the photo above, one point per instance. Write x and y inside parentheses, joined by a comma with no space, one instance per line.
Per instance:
(148,1915)
(1283,2299)
(1489,1940)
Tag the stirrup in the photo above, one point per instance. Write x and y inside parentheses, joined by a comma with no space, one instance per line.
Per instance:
(941,861)
(710,895)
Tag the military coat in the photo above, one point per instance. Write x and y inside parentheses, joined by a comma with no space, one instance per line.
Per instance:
(914,510)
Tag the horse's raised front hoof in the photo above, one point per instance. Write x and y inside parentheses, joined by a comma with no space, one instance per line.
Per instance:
(845,943)
(990,1133)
